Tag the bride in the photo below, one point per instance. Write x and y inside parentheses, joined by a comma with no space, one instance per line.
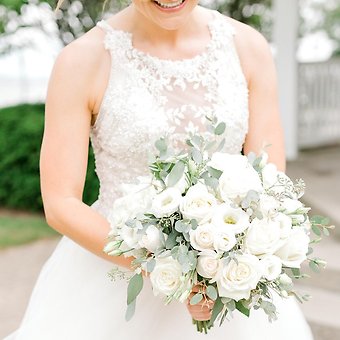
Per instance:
(156,67)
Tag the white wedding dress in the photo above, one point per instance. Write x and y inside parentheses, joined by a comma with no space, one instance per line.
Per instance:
(147,97)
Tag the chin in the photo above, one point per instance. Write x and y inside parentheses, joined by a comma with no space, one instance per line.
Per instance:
(168,18)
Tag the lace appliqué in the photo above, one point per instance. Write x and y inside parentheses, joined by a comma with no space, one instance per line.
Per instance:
(148,97)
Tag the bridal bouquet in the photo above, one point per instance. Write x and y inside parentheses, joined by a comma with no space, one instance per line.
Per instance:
(231,225)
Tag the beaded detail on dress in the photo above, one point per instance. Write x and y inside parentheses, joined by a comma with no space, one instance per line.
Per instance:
(148,97)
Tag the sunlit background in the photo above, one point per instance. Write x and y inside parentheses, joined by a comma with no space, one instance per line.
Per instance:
(32,35)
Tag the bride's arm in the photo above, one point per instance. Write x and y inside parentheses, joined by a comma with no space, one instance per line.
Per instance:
(264,119)
(64,151)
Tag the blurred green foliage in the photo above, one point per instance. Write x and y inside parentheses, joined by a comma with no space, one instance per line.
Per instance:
(20,141)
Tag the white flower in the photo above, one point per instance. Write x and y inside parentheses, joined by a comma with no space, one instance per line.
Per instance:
(152,239)
(263,237)
(290,205)
(269,175)
(234,219)
(197,203)
(285,279)
(182,183)
(235,280)
(285,224)
(268,205)
(202,238)
(238,178)
(294,250)
(166,203)
(272,267)
(224,239)
(222,161)
(208,263)
(130,236)
(264,159)
(166,276)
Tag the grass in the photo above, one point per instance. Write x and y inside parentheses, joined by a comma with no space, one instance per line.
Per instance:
(18,230)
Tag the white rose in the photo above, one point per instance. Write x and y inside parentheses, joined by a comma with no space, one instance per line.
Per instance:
(166,276)
(222,161)
(272,267)
(130,236)
(202,238)
(208,263)
(234,219)
(268,205)
(224,239)
(237,179)
(152,239)
(263,237)
(269,175)
(235,280)
(197,203)
(182,184)
(166,203)
(294,250)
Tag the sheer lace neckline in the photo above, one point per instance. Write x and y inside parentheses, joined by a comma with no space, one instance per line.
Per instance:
(143,55)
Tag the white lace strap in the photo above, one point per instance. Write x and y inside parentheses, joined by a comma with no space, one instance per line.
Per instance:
(105,26)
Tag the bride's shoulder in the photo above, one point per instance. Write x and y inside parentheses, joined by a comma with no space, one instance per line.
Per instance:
(252,46)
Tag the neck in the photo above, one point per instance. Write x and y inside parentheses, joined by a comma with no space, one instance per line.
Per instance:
(145,29)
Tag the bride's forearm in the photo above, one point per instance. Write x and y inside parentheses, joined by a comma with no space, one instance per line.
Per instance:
(84,225)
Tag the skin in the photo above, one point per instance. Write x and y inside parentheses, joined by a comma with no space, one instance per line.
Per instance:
(76,89)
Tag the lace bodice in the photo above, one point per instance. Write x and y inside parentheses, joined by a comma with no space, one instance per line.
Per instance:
(148,97)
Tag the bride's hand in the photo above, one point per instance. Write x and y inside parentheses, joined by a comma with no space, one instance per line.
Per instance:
(202,310)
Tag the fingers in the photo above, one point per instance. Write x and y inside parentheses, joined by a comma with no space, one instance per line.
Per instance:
(200,312)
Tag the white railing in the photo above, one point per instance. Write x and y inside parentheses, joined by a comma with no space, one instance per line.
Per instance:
(319,104)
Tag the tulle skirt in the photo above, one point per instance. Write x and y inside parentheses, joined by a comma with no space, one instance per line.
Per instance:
(74,298)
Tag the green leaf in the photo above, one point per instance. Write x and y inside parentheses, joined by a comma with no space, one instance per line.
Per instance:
(176,173)
(316,230)
(134,288)
(240,307)
(325,231)
(171,240)
(314,267)
(150,266)
(214,172)
(130,311)
(217,309)
(211,292)
(196,156)
(220,128)
(196,299)
(161,145)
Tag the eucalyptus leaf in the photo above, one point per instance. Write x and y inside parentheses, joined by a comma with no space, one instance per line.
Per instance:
(220,128)
(211,292)
(161,145)
(134,288)
(221,145)
(130,311)
(150,266)
(197,298)
(196,156)
(217,309)
(176,173)
(314,267)
(214,172)
(316,230)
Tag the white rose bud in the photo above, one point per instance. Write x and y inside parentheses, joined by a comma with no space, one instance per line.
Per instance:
(268,205)
(197,203)
(152,239)
(166,276)
(263,237)
(225,239)
(285,279)
(166,203)
(208,263)
(269,175)
(272,267)
(285,224)
(294,250)
(130,237)
(236,280)
(290,205)
(202,238)
(233,219)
